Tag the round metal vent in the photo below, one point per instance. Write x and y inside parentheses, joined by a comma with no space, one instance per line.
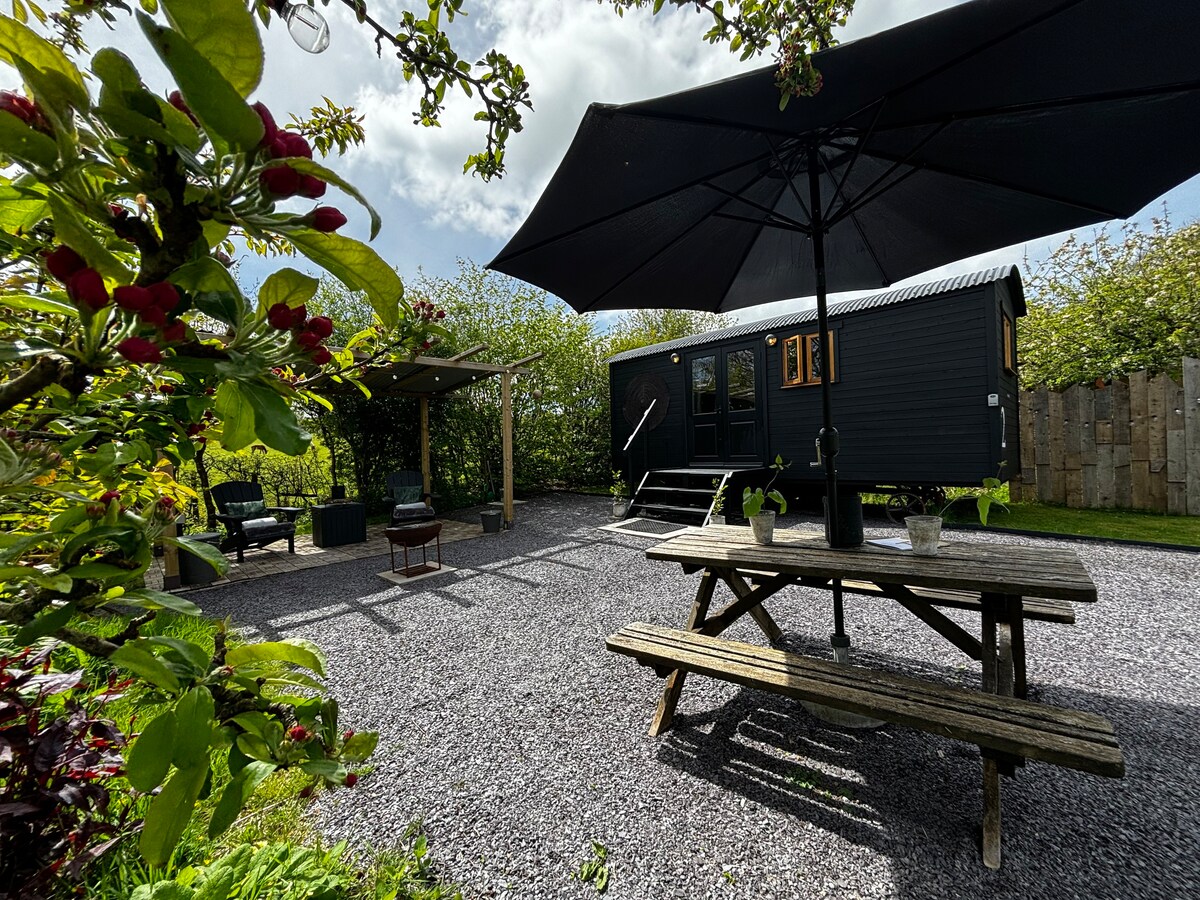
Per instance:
(641,391)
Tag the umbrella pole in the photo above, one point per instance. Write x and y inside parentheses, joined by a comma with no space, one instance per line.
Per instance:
(828,438)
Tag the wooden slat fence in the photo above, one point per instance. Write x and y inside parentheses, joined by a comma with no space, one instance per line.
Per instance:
(1132,444)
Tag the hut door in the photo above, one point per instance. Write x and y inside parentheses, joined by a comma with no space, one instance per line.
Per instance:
(725,406)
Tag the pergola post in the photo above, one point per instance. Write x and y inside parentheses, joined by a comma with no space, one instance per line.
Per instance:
(506,430)
(426,479)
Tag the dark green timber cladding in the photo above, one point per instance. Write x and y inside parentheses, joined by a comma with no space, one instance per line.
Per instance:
(910,400)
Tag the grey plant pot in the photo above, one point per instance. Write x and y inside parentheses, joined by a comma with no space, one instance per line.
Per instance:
(763,526)
(923,534)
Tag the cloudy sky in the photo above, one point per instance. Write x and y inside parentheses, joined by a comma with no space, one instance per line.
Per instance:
(574,52)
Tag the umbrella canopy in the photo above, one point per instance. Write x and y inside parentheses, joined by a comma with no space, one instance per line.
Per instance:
(990,123)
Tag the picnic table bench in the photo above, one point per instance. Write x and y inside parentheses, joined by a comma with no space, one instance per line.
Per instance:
(1008,729)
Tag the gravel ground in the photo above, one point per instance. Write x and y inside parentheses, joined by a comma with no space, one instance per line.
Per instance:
(514,735)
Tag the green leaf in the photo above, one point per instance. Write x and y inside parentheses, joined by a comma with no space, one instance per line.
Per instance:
(287,286)
(99,570)
(46,623)
(308,167)
(170,813)
(255,747)
(224,33)
(150,756)
(145,665)
(151,599)
(212,99)
(360,746)
(293,650)
(183,654)
(26,144)
(19,43)
(274,421)
(329,769)
(237,418)
(235,795)
(11,351)
(194,713)
(130,124)
(204,274)
(71,230)
(116,72)
(38,304)
(224,306)
(357,266)
(214,232)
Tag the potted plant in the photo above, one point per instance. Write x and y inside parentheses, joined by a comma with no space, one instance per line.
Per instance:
(762,522)
(620,492)
(717,515)
(924,531)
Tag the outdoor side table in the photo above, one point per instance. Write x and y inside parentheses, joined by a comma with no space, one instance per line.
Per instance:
(335,524)
(415,536)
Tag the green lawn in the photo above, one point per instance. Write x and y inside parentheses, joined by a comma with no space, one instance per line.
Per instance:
(1110,523)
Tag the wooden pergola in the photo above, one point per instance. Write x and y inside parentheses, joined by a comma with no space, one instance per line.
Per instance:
(424,377)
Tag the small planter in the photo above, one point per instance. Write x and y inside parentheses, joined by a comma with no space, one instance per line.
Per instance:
(763,526)
(923,534)
(491,520)
(716,520)
(620,508)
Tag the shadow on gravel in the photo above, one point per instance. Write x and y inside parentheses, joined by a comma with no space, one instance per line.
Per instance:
(916,798)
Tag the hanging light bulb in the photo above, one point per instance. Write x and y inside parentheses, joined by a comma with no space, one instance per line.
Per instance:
(306,25)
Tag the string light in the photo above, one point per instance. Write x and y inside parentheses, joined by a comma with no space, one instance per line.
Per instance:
(305,24)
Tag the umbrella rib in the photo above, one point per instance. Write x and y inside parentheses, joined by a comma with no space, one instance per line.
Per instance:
(788,180)
(783,225)
(554,239)
(884,277)
(869,191)
(737,270)
(864,199)
(855,156)
(671,243)
(785,221)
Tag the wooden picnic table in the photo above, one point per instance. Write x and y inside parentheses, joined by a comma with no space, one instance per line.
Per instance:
(1000,575)
(1005,583)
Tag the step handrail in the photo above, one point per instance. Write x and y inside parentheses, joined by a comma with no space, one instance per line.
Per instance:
(645,415)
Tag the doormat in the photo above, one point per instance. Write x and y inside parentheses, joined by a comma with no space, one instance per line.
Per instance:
(647,528)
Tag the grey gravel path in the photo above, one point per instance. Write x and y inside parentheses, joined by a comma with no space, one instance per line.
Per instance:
(517,738)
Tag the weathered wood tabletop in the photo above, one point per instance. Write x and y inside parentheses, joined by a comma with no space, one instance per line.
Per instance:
(1051,573)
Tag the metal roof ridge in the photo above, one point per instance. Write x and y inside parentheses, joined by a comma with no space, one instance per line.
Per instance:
(842,307)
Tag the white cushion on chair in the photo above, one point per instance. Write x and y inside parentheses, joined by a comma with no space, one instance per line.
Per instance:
(252,525)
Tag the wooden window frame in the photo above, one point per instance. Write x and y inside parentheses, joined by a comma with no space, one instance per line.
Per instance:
(1008,343)
(803,344)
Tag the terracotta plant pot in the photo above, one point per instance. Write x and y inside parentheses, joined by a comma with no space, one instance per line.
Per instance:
(763,526)
(923,534)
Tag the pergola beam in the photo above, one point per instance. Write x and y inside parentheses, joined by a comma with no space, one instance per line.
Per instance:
(467,354)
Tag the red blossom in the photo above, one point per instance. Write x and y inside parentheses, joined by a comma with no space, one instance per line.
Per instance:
(25,110)
(322,326)
(166,297)
(194,429)
(441,314)
(308,340)
(109,496)
(86,287)
(299,314)
(139,350)
(351,780)
(321,355)
(326,219)
(270,129)
(63,262)
(132,297)
(295,144)
(280,182)
(167,388)
(174,332)
(152,315)
(312,187)
(347,734)
(280,316)
(298,733)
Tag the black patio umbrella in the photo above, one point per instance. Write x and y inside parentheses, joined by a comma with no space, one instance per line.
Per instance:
(990,123)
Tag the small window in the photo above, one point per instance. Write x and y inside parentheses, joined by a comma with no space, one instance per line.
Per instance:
(1010,346)
(803,359)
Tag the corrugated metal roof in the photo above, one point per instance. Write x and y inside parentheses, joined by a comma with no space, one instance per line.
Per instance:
(860,304)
